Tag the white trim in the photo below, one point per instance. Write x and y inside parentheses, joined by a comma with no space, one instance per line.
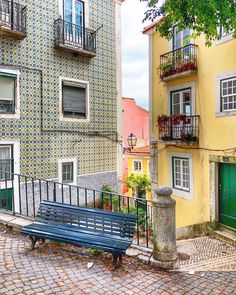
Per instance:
(191,85)
(152,135)
(137,171)
(68,160)
(176,192)
(65,119)
(96,173)
(16,115)
(119,104)
(16,155)
(219,77)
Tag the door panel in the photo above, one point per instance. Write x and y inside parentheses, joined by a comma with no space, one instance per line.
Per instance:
(227,194)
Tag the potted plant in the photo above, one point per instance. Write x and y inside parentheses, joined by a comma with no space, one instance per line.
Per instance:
(110,200)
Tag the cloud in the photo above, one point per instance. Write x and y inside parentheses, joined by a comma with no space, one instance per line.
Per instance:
(134,52)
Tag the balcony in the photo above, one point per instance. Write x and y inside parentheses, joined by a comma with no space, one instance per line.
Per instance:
(12,19)
(178,129)
(178,63)
(70,37)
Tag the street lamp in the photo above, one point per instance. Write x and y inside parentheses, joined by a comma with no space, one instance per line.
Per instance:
(132,141)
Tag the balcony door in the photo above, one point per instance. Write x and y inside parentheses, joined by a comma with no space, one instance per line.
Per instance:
(180,38)
(74,22)
(181,104)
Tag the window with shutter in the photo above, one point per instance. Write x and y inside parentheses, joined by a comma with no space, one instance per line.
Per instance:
(7,93)
(74,96)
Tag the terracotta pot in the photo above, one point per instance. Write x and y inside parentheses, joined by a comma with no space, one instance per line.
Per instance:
(149,232)
(107,207)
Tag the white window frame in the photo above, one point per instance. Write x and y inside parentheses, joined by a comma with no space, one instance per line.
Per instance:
(181,92)
(133,166)
(61,115)
(180,87)
(179,192)
(68,160)
(222,76)
(233,79)
(86,11)
(224,38)
(16,114)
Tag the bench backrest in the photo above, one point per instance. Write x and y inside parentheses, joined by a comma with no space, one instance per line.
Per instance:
(89,219)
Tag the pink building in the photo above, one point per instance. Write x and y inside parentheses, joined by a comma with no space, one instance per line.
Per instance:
(135,119)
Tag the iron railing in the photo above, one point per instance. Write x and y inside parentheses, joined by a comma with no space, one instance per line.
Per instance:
(178,61)
(21,195)
(69,34)
(179,128)
(13,16)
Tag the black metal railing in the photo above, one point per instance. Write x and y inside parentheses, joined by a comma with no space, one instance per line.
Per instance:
(182,128)
(22,195)
(13,16)
(69,34)
(178,61)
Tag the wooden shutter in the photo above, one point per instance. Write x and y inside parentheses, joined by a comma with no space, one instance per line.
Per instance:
(74,98)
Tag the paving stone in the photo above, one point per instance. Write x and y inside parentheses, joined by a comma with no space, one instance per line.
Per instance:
(57,270)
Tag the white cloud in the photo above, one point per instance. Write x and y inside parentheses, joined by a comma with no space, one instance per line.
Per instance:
(134,52)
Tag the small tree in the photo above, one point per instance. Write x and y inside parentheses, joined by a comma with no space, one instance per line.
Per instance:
(139,184)
(199,16)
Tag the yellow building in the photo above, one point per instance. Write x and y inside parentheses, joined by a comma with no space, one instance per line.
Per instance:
(138,164)
(192,124)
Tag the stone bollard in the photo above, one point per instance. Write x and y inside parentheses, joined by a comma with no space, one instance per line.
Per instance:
(164,231)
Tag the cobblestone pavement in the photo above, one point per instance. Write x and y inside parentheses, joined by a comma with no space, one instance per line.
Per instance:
(206,253)
(62,269)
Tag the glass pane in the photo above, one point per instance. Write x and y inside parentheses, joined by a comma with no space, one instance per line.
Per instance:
(187,103)
(7,88)
(78,13)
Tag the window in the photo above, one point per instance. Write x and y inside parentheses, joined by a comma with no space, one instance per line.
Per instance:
(228,94)
(181,101)
(137,166)
(75,99)
(7,93)
(67,172)
(179,38)
(6,162)
(181,173)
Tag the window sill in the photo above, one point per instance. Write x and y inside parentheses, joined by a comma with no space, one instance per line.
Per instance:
(182,194)
(10,116)
(224,40)
(225,114)
(76,120)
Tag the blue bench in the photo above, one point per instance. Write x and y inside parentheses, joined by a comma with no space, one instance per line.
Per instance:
(80,226)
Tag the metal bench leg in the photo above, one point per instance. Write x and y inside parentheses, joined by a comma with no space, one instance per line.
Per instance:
(114,263)
(120,259)
(33,241)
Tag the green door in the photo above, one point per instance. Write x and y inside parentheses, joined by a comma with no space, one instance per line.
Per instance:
(6,199)
(227,194)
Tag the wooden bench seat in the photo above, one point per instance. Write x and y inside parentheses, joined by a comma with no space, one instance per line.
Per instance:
(88,227)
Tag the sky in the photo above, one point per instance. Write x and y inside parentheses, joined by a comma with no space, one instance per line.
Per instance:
(134,52)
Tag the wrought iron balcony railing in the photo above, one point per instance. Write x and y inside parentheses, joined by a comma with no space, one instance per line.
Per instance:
(178,61)
(73,37)
(12,18)
(182,128)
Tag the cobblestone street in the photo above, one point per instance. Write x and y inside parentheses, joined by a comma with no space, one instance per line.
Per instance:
(62,269)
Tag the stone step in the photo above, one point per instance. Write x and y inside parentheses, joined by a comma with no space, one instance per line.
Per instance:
(225,235)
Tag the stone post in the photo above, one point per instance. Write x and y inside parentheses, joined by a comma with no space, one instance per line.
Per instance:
(164,230)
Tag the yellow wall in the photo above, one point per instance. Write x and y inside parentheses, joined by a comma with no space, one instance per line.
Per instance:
(145,163)
(214,132)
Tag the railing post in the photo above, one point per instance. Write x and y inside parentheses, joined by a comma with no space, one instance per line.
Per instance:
(164,250)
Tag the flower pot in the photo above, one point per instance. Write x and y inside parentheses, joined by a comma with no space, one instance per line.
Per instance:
(107,207)
(149,232)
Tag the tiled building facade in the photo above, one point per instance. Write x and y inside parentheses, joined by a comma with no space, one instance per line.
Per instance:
(40,134)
